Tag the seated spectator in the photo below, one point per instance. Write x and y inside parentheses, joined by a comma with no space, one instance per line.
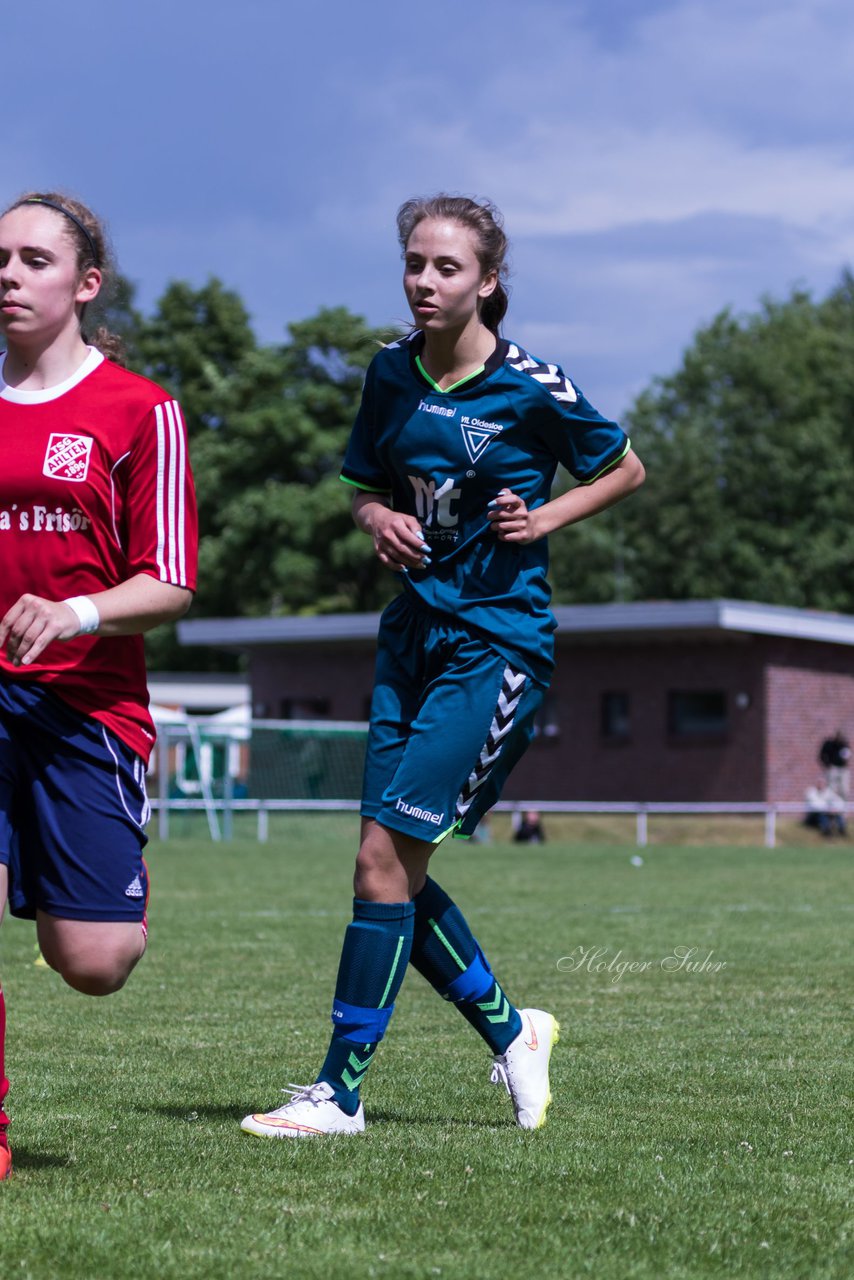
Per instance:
(528,827)
(825,809)
(835,758)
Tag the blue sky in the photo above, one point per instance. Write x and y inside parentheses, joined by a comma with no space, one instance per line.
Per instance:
(655,161)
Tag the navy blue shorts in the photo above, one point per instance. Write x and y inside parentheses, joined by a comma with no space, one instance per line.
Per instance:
(450,717)
(72,811)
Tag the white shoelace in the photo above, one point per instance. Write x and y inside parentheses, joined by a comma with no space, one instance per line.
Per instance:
(307,1092)
(499,1073)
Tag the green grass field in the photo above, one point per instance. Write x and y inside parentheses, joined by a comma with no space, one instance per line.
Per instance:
(702,1122)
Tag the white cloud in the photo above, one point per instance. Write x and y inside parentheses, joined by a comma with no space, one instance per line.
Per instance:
(656,162)
(670,175)
(684,120)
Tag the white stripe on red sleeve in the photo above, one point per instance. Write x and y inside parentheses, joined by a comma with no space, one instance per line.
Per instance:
(182,481)
(161,518)
(170,494)
(169,498)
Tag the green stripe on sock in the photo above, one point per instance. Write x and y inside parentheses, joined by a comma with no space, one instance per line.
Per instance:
(446,944)
(359,1064)
(490,1006)
(393,971)
(503,1016)
(359,1068)
(352,1082)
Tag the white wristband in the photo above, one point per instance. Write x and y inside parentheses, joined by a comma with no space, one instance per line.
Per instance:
(87,614)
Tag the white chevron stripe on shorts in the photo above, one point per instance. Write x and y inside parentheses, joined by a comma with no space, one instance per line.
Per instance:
(512,688)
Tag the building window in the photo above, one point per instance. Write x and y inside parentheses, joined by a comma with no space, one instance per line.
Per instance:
(616,723)
(697,713)
(546,723)
(303,708)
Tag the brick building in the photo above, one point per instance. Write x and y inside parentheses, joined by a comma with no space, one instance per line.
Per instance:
(700,700)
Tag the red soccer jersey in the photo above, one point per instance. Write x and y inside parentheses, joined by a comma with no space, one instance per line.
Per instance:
(95,487)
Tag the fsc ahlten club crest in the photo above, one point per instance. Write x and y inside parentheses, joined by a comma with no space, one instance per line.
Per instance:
(67,457)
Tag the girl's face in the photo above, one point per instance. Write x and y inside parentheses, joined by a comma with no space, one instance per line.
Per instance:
(442,277)
(41,287)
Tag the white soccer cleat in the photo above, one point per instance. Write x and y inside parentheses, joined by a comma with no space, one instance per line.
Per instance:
(524,1068)
(311,1113)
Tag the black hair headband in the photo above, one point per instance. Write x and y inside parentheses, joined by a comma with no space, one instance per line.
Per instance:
(60,208)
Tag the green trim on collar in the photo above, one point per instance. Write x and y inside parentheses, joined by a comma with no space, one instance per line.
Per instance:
(443,391)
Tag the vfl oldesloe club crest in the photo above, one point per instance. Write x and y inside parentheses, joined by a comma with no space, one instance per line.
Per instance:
(477,434)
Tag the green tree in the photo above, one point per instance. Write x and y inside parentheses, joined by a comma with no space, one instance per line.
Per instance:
(115,308)
(593,562)
(750,463)
(268,427)
(279,537)
(750,460)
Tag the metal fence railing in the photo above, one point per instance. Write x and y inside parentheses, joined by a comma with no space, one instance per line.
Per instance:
(263,767)
(220,813)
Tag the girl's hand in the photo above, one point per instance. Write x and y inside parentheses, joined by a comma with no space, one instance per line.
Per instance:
(511,519)
(398,540)
(32,624)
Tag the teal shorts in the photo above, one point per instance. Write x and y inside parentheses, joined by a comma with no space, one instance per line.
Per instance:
(450,717)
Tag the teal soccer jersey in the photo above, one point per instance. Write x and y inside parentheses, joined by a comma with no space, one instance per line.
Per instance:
(442,456)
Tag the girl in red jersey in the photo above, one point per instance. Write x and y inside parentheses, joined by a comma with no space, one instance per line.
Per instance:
(97,545)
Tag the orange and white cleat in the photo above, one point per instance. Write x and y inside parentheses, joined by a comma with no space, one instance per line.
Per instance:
(524,1068)
(311,1113)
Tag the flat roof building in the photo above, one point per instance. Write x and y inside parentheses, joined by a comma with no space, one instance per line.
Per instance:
(696,700)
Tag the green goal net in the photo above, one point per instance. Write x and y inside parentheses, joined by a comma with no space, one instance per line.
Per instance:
(302,760)
(269,760)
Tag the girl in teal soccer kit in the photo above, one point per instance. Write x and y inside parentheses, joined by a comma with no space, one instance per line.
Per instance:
(452,458)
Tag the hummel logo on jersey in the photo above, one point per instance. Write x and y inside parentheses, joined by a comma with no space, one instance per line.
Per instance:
(67,457)
(477,434)
(135,889)
(444,411)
